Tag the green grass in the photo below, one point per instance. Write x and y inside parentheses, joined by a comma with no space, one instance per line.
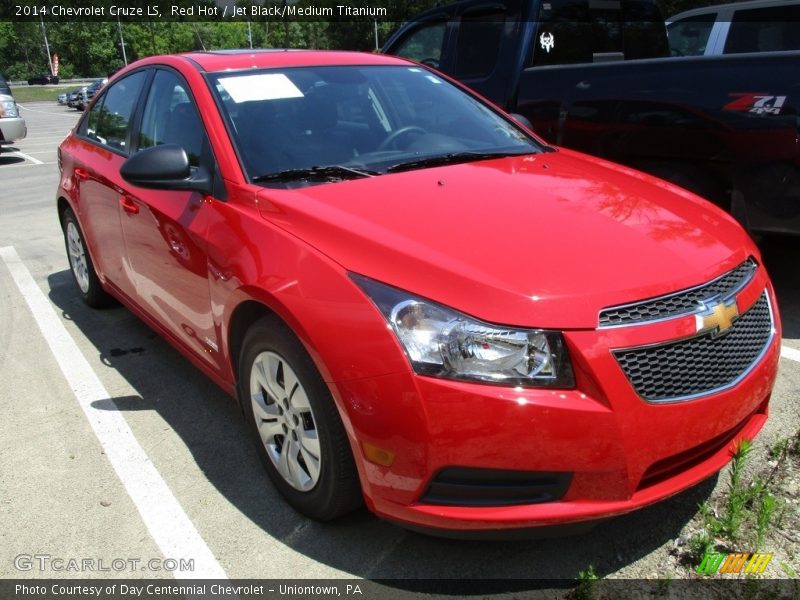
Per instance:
(586,583)
(698,546)
(35,93)
(749,509)
(738,493)
(766,510)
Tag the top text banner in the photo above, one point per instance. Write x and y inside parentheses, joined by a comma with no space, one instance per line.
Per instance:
(196,10)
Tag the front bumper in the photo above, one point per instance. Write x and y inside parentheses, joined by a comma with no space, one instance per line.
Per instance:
(619,452)
(12,129)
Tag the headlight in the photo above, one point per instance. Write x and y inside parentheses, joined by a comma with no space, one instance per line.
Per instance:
(8,108)
(442,342)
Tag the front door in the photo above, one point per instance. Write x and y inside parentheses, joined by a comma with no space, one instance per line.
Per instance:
(164,230)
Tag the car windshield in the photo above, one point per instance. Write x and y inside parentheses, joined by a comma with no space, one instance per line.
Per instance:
(291,126)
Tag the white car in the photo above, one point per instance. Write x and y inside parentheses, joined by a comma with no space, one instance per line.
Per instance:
(754,26)
(12,126)
(62,98)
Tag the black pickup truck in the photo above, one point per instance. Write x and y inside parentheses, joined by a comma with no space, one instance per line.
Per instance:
(596,76)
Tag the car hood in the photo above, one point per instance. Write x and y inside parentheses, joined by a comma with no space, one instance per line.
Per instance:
(544,240)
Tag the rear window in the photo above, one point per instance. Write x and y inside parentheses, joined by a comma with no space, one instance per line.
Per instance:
(769,29)
(689,36)
(585,31)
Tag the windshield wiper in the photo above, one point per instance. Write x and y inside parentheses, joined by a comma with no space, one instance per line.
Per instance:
(453,157)
(331,172)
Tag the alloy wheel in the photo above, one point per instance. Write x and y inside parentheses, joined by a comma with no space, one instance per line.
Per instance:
(285,421)
(77,257)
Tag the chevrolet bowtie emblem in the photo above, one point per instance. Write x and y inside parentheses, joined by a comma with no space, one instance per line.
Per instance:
(717,317)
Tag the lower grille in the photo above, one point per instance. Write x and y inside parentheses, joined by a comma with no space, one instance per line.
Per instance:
(680,463)
(464,486)
(700,365)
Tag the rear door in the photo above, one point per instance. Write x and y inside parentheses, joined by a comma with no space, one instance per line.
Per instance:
(98,151)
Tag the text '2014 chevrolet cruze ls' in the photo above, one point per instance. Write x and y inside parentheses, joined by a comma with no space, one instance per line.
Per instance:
(418,304)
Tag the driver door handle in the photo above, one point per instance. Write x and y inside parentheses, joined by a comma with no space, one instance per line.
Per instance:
(129,205)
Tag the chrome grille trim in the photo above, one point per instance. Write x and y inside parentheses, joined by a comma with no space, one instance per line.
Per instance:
(685,302)
(623,356)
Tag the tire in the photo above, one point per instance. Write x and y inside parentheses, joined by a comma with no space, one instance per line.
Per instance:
(80,263)
(295,424)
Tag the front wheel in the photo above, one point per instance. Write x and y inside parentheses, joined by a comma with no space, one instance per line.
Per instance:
(295,424)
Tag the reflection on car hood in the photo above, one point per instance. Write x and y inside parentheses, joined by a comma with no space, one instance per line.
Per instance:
(522,234)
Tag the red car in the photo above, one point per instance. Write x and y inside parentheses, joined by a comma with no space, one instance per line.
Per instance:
(419,304)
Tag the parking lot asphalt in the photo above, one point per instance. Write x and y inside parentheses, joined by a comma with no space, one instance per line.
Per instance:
(63,496)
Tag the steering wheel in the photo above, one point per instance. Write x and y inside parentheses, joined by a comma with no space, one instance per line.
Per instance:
(395,135)
(430,62)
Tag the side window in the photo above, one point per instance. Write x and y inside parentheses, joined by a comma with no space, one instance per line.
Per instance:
(93,120)
(765,30)
(425,44)
(689,37)
(564,35)
(170,117)
(479,37)
(109,120)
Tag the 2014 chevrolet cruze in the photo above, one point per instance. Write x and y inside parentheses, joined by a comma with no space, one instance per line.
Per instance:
(417,303)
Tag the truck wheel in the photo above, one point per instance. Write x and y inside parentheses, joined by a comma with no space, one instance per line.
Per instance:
(295,424)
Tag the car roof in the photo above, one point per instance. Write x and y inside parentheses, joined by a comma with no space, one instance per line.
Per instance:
(220,60)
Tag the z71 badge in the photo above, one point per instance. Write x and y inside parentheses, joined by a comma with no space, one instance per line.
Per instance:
(759,104)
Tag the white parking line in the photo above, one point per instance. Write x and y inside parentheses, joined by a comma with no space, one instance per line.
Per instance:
(166,521)
(46,112)
(790,353)
(35,161)
(26,164)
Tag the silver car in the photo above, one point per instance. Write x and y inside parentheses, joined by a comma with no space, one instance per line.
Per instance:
(75,98)
(12,126)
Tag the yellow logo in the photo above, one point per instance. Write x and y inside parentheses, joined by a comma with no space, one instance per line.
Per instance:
(717,317)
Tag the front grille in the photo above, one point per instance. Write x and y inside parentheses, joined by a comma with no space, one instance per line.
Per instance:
(702,364)
(679,303)
(466,486)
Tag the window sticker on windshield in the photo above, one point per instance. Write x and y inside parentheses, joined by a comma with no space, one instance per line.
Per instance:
(433,79)
(267,86)
(415,70)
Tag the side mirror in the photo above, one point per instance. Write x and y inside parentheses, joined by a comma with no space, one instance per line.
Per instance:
(522,120)
(165,167)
